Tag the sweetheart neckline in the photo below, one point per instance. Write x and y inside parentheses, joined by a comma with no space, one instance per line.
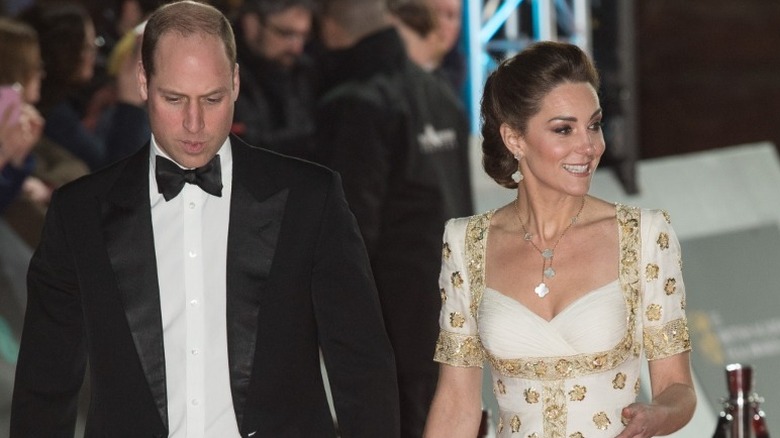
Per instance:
(564,310)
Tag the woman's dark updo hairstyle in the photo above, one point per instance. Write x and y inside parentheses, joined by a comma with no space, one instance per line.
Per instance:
(514,92)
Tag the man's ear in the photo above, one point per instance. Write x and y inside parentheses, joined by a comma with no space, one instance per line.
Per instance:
(236,82)
(143,85)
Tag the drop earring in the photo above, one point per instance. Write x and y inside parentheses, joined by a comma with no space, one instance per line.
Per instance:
(518,175)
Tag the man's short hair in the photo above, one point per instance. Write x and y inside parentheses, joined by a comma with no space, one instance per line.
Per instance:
(358,17)
(186,18)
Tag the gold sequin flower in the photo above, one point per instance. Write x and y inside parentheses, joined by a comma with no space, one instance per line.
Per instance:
(553,413)
(531,396)
(457,320)
(653,312)
(619,382)
(663,241)
(500,387)
(563,367)
(577,435)
(651,271)
(577,393)
(601,421)
(637,385)
(457,280)
(445,251)
(670,286)
(514,423)
(443,294)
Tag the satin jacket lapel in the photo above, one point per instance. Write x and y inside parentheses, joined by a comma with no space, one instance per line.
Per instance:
(127,229)
(256,211)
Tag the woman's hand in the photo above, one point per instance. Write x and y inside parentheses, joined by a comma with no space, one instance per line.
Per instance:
(17,139)
(642,420)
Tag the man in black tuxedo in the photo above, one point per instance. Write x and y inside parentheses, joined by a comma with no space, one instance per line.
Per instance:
(202,298)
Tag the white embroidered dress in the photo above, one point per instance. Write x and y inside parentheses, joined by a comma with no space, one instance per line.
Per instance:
(569,377)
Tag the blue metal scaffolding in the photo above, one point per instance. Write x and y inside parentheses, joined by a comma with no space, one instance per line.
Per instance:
(492,32)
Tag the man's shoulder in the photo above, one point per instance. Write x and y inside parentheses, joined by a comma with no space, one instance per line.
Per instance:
(279,165)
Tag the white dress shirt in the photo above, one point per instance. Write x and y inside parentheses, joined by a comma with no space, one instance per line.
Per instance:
(190,240)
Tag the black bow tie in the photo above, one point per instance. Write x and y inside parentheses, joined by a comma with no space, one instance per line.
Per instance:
(171,178)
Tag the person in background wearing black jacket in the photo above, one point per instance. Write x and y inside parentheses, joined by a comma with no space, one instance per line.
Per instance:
(276,103)
(399,139)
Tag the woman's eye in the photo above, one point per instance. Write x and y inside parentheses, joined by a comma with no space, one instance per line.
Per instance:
(597,126)
(563,130)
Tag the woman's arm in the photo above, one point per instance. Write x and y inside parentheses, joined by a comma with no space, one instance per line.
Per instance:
(456,410)
(674,400)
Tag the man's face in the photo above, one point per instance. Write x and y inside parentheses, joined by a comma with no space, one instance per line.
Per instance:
(448,16)
(282,36)
(190,96)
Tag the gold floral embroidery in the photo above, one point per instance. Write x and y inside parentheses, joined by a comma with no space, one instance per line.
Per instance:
(667,218)
(653,312)
(624,420)
(577,435)
(577,393)
(500,387)
(663,241)
(533,435)
(500,424)
(619,382)
(457,280)
(443,294)
(579,365)
(457,320)
(637,386)
(601,421)
(667,340)
(563,367)
(531,396)
(446,251)
(459,350)
(555,368)
(651,271)
(514,423)
(476,237)
(670,286)
(554,410)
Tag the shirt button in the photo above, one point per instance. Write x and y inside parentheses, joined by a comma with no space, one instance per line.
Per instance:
(194,303)
(193,254)
(195,402)
(195,351)
(192,205)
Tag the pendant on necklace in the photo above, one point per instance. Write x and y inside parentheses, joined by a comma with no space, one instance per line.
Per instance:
(549,272)
(542,290)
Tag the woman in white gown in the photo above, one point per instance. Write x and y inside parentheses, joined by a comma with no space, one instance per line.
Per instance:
(561,293)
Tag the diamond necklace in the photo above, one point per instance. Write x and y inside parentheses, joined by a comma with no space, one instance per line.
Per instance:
(542,290)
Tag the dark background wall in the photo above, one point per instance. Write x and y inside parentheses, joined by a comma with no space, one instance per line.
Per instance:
(708,74)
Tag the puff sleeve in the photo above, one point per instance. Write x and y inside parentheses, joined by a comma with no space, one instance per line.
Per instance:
(458,342)
(665,328)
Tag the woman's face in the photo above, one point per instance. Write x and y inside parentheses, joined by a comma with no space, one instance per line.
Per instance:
(563,142)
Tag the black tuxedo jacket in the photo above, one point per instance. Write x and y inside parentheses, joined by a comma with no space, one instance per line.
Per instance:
(298,280)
